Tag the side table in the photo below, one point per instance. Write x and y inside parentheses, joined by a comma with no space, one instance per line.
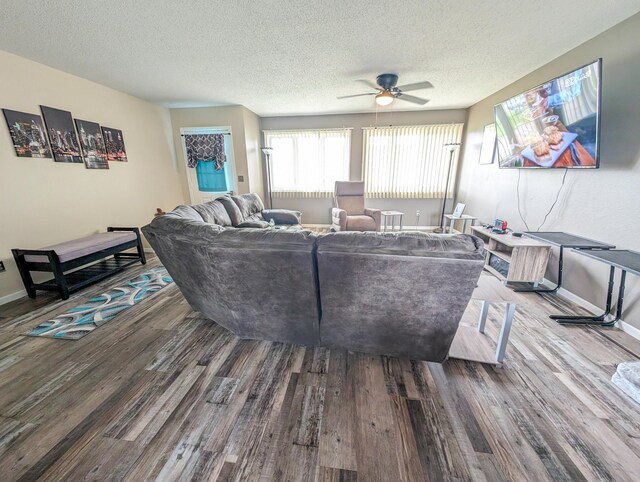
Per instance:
(464,218)
(471,343)
(386,215)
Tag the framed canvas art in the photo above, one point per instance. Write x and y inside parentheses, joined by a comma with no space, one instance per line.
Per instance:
(62,134)
(114,143)
(27,134)
(457,212)
(488,149)
(92,144)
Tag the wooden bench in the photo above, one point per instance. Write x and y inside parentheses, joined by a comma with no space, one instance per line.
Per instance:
(64,259)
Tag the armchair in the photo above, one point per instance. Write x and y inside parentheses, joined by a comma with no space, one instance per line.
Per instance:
(350,213)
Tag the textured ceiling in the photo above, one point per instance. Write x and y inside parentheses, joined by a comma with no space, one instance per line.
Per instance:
(296,56)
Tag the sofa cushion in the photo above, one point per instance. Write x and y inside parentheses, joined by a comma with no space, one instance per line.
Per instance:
(400,294)
(404,243)
(82,246)
(248,204)
(172,223)
(354,205)
(258,283)
(187,212)
(255,217)
(259,224)
(213,212)
(235,215)
(361,223)
(282,216)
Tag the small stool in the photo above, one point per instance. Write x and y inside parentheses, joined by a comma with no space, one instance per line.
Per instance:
(391,214)
(464,218)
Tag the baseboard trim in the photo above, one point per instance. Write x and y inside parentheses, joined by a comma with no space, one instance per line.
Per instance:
(626,327)
(12,297)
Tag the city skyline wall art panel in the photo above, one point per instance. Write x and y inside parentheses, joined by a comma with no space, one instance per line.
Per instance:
(114,143)
(27,134)
(62,134)
(92,144)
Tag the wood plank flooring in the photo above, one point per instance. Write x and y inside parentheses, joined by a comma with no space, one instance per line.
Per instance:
(160,393)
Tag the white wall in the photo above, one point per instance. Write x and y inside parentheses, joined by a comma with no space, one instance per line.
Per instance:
(600,204)
(44,202)
(253,143)
(317,211)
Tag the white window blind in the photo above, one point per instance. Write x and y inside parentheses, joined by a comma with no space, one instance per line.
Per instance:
(307,163)
(409,161)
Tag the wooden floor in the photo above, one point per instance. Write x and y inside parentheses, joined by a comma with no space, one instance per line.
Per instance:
(160,393)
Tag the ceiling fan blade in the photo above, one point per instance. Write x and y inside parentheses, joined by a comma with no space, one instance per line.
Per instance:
(416,86)
(412,99)
(355,95)
(368,83)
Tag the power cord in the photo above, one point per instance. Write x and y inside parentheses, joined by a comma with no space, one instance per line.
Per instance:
(518,195)
(564,177)
(554,202)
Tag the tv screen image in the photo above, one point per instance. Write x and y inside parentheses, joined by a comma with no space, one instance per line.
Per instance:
(553,125)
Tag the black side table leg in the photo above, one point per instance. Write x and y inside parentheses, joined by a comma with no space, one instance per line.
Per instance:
(598,320)
(623,278)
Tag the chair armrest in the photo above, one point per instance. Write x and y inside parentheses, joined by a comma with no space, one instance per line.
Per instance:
(339,219)
(282,216)
(376,215)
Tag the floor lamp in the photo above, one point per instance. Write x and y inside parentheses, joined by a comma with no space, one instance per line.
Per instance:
(268,151)
(453,147)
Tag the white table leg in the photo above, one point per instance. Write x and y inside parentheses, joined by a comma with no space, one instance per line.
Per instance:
(504,332)
(484,311)
(451,225)
(401,216)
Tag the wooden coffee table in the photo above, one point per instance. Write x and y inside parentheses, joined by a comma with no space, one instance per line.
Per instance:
(471,343)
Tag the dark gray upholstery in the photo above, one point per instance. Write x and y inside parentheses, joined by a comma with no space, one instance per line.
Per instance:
(187,212)
(258,283)
(400,294)
(282,216)
(249,204)
(235,215)
(213,212)
(253,224)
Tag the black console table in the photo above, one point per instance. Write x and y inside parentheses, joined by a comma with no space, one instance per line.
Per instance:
(625,260)
(562,240)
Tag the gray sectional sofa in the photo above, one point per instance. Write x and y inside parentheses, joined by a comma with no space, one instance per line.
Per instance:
(400,294)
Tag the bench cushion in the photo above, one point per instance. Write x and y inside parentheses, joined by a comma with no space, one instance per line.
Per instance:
(82,246)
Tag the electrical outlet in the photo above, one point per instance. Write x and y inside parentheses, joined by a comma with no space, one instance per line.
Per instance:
(240,178)
(1,266)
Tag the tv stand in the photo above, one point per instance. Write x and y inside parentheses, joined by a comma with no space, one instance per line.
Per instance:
(514,259)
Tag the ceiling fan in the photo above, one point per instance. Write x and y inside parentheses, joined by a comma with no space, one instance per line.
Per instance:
(387,92)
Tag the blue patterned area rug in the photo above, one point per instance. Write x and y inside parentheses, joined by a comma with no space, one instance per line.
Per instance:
(83,319)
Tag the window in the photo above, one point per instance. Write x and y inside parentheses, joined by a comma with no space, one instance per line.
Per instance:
(210,180)
(306,163)
(408,162)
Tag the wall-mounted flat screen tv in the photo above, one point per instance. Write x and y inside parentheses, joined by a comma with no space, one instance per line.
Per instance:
(553,125)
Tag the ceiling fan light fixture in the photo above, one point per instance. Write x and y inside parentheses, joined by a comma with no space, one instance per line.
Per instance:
(384,98)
